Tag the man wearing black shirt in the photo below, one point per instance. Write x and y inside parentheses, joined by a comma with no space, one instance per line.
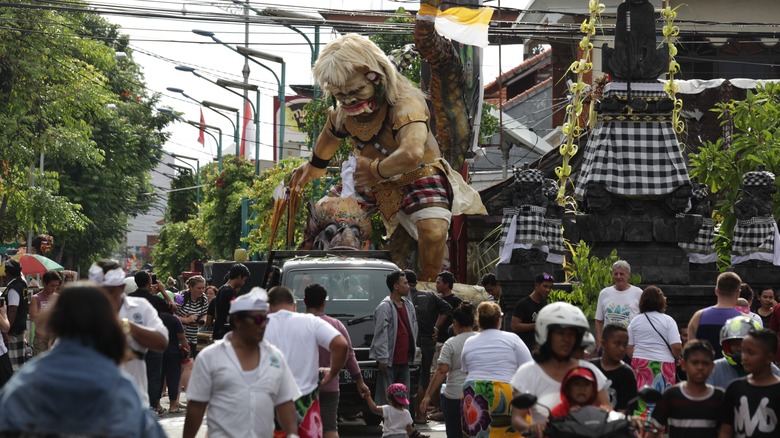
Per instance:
(17,298)
(153,359)
(236,279)
(444,283)
(524,314)
(432,311)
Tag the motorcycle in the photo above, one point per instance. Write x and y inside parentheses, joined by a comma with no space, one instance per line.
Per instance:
(589,421)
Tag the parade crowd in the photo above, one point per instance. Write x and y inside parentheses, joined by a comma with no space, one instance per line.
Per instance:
(106,351)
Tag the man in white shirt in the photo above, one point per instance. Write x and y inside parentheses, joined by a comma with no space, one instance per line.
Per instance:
(143,326)
(299,337)
(617,304)
(242,379)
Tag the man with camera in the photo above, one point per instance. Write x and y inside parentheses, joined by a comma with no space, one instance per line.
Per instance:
(153,359)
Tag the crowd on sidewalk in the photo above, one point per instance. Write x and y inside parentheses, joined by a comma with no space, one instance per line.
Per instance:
(106,350)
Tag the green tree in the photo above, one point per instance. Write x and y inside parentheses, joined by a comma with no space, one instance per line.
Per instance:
(176,248)
(50,90)
(261,193)
(219,223)
(489,124)
(755,143)
(64,94)
(182,200)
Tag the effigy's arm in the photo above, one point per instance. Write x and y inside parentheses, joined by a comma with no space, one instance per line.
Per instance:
(411,139)
(326,146)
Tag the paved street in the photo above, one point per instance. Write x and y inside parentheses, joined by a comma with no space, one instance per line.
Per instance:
(174,426)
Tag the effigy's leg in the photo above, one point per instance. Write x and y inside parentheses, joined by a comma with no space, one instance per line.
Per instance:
(431,246)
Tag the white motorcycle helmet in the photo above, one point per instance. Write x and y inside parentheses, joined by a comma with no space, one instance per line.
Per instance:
(559,314)
(588,343)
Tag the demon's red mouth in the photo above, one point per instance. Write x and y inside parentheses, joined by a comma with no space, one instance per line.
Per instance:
(366,106)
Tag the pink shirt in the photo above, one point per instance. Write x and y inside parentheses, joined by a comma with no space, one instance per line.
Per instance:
(352,366)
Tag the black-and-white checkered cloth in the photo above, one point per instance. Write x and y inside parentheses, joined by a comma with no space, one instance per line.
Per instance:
(554,236)
(506,222)
(530,225)
(759,178)
(16,351)
(638,89)
(705,239)
(756,234)
(529,176)
(633,159)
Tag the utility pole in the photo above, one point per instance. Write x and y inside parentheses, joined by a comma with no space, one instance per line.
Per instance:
(245,72)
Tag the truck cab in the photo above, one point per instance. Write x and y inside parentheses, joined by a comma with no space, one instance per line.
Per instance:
(355,281)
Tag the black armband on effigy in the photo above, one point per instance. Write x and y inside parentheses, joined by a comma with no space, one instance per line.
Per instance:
(319,163)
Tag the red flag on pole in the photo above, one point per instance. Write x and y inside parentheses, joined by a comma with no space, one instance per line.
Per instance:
(247,131)
(202,130)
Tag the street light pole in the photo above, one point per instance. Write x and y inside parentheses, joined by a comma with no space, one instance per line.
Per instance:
(216,106)
(224,83)
(199,125)
(246,53)
(227,84)
(252,53)
(212,106)
(182,158)
(313,47)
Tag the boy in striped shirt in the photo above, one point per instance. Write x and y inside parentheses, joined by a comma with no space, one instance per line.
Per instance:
(691,409)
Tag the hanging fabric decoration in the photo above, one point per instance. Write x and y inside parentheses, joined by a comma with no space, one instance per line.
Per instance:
(671,34)
(464,25)
(571,127)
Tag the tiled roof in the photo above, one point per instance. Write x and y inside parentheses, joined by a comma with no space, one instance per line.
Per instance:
(541,85)
(525,65)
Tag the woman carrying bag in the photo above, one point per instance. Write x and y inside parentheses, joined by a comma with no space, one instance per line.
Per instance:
(654,343)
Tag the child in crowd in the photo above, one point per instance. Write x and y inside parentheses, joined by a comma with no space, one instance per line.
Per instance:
(690,409)
(577,390)
(743,306)
(621,385)
(397,421)
(751,405)
(729,367)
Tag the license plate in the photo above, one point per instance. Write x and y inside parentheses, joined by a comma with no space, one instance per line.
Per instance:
(368,374)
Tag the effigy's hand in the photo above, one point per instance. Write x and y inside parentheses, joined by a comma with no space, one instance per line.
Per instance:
(303,174)
(364,178)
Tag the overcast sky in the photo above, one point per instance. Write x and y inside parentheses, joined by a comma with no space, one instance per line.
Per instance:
(160,44)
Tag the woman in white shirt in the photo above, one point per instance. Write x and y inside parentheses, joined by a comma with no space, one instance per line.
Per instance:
(451,368)
(559,330)
(490,359)
(654,342)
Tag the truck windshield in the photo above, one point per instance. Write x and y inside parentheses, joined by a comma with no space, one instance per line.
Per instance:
(352,295)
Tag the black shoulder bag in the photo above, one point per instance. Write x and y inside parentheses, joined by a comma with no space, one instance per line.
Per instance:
(677,374)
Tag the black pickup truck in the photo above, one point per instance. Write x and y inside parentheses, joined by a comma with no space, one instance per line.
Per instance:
(355,281)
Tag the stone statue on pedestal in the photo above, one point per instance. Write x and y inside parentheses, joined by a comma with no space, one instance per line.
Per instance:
(755,235)
(524,228)
(702,250)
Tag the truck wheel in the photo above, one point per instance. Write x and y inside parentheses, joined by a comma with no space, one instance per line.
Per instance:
(371,419)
